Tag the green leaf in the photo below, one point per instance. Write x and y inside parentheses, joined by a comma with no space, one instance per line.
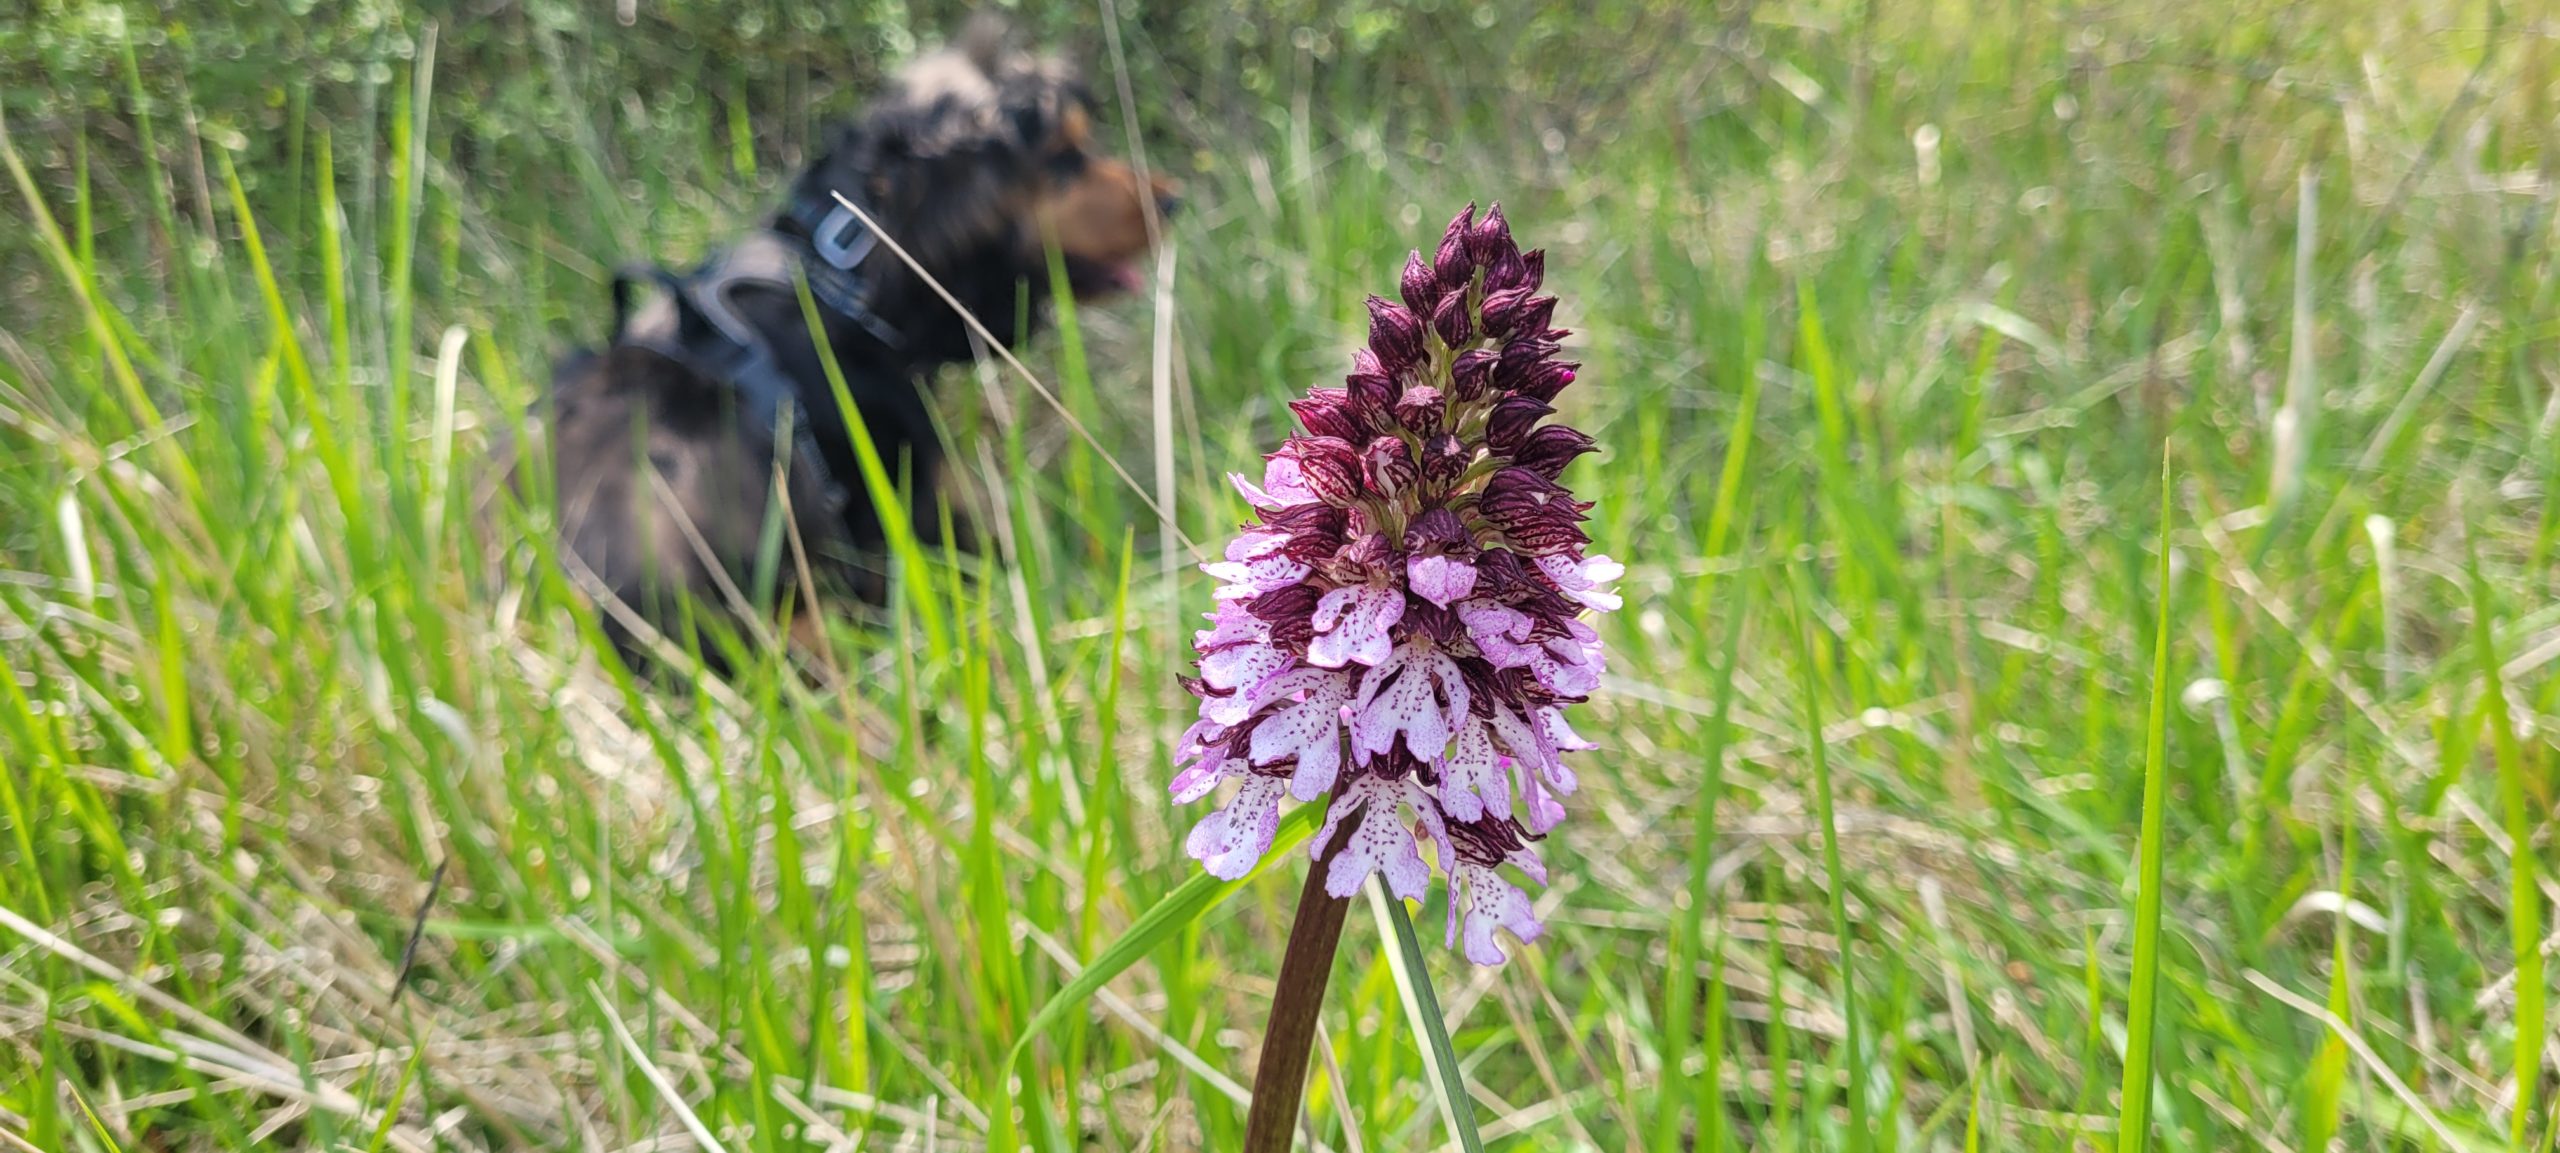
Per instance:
(1422,1011)
(2133,1122)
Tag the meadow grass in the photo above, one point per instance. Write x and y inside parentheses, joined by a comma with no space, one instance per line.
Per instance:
(324,824)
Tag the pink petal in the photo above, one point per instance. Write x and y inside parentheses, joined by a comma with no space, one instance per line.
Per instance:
(1499,631)
(1567,666)
(1202,777)
(1491,903)
(1242,667)
(1245,580)
(1255,543)
(1439,579)
(1231,624)
(1473,780)
(1580,580)
(1381,842)
(1281,487)
(1351,626)
(1231,841)
(1417,692)
(1309,730)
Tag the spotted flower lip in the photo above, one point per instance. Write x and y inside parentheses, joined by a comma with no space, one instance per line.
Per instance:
(1401,629)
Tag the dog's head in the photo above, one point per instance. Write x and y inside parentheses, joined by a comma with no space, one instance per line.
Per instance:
(979,159)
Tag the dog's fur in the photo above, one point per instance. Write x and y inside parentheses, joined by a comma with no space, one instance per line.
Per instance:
(976,160)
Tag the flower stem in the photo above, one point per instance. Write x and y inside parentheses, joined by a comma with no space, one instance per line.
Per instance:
(1280,1081)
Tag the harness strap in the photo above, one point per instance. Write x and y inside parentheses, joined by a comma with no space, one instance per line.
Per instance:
(707,334)
(703,333)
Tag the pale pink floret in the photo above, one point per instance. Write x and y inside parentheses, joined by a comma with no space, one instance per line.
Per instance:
(1247,579)
(1580,579)
(1571,664)
(1232,674)
(1499,631)
(1474,780)
(1232,624)
(1492,902)
(1381,842)
(1417,693)
(1231,841)
(1310,729)
(1442,580)
(1351,626)
(1201,776)
(1282,486)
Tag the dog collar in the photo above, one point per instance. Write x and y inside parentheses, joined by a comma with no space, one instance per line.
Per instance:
(838,242)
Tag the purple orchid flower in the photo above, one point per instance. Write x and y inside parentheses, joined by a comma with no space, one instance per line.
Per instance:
(1403,626)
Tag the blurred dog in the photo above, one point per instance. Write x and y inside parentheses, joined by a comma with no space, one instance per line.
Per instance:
(669,446)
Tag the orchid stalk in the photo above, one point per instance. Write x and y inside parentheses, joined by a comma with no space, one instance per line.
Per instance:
(1401,629)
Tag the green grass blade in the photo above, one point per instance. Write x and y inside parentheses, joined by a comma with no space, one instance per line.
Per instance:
(2133,1122)
(1854,1068)
(1422,1012)
(2524,910)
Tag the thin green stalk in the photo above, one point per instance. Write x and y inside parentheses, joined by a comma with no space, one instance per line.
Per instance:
(1835,879)
(1687,945)
(2133,1122)
(2524,910)
(1422,1009)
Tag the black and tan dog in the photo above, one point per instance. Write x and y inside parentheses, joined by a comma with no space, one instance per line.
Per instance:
(978,161)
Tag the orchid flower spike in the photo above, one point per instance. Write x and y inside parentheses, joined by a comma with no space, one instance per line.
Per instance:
(1403,626)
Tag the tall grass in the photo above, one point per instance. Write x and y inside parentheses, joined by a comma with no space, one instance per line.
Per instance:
(1894,299)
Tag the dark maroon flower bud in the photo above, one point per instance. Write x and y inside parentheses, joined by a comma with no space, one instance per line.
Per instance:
(1290,612)
(1484,842)
(1481,688)
(1490,239)
(1535,314)
(1451,323)
(1328,466)
(1432,621)
(1366,556)
(1533,266)
(1326,412)
(1550,447)
(1420,409)
(1371,391)
(1315,530)
(1511,420)
(1395,333)
(1518,357)
(1507,271)
(1536,513)
(1451,265)
(1499,573)
(1445,458)
(1421,288)
(1399,761)
(1502,311)
(1471,375)
(1389,466)
(1549,532)
(1545,380)
(1438,532)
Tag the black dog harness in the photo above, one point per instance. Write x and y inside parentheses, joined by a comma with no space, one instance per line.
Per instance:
(703,331)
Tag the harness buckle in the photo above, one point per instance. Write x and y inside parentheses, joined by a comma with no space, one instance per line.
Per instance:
(841,240)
